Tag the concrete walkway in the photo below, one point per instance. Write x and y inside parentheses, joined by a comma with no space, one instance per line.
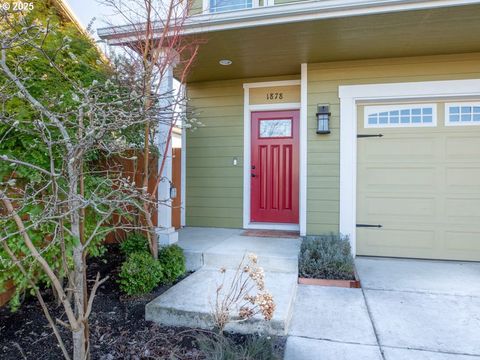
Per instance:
(190,302)
(407,310)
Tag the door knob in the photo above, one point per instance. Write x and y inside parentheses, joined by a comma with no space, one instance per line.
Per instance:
(253,175)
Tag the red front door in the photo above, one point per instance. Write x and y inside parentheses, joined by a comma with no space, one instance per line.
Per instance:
(274,167)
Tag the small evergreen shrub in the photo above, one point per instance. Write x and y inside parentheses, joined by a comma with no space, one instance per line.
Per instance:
(220,347)
(140,273)
(326,257)
(134,242)
(172,260)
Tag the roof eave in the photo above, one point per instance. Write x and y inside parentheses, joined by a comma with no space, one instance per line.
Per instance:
(278,14)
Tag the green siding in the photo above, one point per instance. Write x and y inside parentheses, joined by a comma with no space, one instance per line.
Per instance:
(214,187)
(323,150)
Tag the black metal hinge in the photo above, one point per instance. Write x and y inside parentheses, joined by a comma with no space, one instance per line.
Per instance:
(369,226)
(369,135)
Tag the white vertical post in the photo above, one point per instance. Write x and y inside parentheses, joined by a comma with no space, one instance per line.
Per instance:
(183,220)
(348,169)
(165,231)
(303,149)
(246,156)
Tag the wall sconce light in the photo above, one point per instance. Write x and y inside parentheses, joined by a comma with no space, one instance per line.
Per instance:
(323,119)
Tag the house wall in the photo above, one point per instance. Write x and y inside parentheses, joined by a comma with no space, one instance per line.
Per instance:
(197,5)
(323,184)
(214,186)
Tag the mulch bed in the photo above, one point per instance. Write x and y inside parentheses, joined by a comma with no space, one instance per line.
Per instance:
(117,326)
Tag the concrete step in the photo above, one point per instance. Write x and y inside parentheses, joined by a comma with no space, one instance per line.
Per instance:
(190,303)
(217,258)
(218,248)
(193,259)
(267,262)
(274,254)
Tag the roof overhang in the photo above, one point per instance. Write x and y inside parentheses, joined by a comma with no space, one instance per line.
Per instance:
(318,31)
(281,14)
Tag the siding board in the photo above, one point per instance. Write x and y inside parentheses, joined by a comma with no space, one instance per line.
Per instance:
(217,131)
(323,82)
(214,184)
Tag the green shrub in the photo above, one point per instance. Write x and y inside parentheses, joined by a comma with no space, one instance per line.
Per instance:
(220,347)
(134,242)
(81,61)
(326,257)
(173,263)
(140,273)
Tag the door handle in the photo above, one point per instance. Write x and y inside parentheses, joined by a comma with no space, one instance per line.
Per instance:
(253,175)
(253,167)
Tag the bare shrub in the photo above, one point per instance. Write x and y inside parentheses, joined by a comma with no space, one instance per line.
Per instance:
(244,296)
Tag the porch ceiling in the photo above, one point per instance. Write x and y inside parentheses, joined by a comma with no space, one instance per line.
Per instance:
(279,49)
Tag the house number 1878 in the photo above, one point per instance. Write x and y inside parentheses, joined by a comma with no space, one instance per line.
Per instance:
(275,96)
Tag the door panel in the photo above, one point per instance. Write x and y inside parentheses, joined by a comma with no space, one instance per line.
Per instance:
(422,184)
(274,162)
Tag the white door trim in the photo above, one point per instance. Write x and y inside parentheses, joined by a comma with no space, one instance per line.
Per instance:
(247,110)
(303,149)
(274,107)
(273,226)
(350,95)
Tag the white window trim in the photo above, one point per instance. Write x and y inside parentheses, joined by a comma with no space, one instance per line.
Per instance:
(350,95)
(247,110)
(459,123)
(206,7)
(368,110)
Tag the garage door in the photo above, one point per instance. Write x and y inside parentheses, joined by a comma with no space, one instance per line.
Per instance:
(418,184)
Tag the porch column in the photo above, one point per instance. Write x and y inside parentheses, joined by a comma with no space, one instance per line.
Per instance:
(165,231)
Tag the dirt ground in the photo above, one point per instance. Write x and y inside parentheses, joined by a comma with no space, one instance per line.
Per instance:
(117,326)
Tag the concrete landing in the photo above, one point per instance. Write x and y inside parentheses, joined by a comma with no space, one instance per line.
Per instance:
(217,247)
(190,303)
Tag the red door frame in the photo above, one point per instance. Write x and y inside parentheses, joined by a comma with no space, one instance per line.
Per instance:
(274,199)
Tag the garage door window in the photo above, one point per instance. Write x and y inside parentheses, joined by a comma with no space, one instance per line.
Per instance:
(415,115)
(461,114)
